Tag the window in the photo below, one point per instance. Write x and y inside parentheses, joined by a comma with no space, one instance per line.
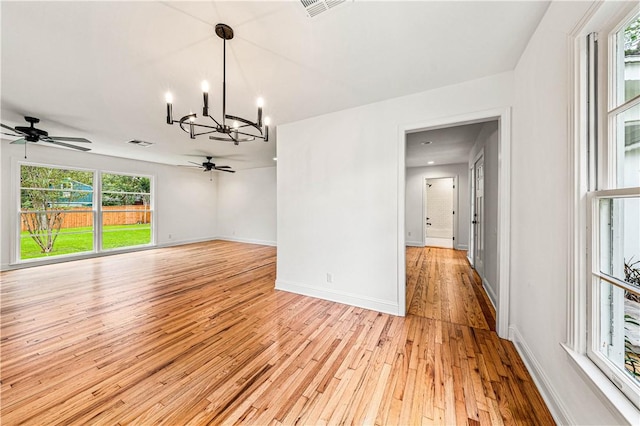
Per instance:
(613,207)
(126,211)
(61,214)
(56,212)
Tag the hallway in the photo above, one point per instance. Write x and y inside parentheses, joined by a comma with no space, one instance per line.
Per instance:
(442,287)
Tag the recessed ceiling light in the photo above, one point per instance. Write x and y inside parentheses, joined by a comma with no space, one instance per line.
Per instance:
(275,158)
(430,162)
(426,143)
(143,144)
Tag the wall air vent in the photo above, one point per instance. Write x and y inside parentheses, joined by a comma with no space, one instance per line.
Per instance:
(143,144)
(316,7)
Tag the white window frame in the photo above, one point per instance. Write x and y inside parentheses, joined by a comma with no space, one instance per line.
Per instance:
(605,19)
(96,211)
(152,242)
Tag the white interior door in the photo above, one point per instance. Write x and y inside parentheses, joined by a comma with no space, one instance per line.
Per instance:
(477,221)
(438,227)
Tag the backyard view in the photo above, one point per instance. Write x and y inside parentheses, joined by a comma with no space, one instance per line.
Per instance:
(57,211)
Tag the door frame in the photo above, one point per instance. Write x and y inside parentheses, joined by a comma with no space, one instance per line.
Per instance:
(503,116)
(472,208)
(455,207)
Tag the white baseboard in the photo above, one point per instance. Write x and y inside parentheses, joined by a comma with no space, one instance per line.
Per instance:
(249,241)
(462,247)
(414,244)
(551,398)
(339,297)
(439,242)
(490,292)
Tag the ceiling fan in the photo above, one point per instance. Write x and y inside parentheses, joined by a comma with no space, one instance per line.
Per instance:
(32,134)
(208,166)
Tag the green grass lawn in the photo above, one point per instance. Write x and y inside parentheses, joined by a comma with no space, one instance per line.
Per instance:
(78,240)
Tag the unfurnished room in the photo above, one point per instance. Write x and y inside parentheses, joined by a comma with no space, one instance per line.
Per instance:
(306,212)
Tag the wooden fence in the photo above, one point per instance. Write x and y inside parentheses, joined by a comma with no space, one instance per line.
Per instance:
(81,217)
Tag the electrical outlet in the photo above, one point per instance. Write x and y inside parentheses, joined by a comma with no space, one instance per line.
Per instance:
(329,278)
(409,233)
(170,236)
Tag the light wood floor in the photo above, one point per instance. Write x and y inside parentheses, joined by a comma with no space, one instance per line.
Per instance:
(197,334)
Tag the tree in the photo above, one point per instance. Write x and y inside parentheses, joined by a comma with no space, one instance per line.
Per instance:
(45,195)
(632,38)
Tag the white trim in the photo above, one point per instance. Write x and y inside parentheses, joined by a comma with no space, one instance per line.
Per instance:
(603,388)
(504,209)
(415,243)
(462,247)
(248,241)
(338,296)
(489,290)
(558,410)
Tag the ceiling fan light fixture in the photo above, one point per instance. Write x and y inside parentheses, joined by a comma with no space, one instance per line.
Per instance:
(242,129)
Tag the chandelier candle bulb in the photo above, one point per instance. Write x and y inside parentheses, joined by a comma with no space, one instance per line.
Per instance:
(260,103)
(205,95)
(169,100)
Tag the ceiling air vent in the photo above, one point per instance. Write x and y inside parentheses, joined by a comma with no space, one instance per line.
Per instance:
(316,7)
(143,144)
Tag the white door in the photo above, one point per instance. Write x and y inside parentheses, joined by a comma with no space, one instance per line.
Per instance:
(438,229)
(477,217)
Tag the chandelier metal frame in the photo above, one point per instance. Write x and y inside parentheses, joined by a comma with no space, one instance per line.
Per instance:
(241,129)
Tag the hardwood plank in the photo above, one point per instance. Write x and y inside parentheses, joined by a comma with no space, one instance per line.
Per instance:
(197,334)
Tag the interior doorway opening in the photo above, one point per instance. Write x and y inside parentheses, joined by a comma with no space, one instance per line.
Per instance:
(496,125)
(439,196)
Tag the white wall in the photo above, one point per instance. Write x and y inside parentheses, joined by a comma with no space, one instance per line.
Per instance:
(338,192)
(185,199)
(247,205)
(487,140)
(540,197)
(414,201)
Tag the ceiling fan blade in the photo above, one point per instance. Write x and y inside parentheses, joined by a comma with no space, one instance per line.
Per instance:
(68,139)
(10,128)
(223,167)
(197,164)
(20,141)
(9,134)
(225,170)
(66,145)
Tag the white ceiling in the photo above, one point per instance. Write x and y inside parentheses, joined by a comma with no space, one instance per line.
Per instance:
(449,145)
(100,69)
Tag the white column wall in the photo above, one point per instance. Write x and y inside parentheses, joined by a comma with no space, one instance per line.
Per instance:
(338,192)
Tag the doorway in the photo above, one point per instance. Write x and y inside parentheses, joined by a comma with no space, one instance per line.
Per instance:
(499,205)
(439,212)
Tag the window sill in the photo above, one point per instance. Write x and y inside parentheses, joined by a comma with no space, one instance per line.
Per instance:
(606,391)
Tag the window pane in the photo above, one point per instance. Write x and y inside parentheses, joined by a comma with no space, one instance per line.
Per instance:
(629,60)
(125,229)
(56,216)
(620,329)
(126,212)
(620,237)
(628,147)
(55,233)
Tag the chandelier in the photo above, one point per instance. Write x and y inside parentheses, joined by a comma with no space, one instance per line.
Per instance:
(230,128)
